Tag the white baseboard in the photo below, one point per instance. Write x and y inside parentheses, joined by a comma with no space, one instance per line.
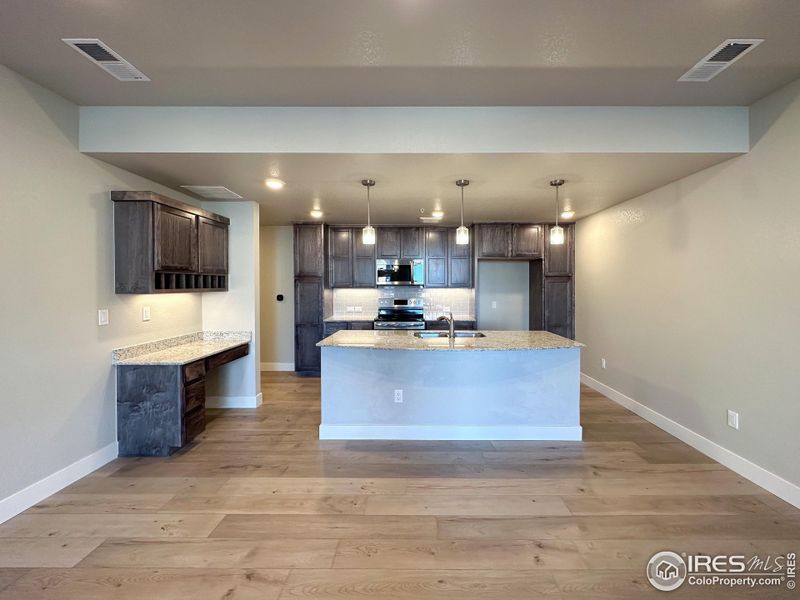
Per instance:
(234,401)
(277,366)
(36,492)
(447,432)
(771,482)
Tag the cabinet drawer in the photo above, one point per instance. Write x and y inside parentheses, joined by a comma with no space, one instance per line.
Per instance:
(222,358)
(364,325)
(194,396)
(194,423)
(194,371)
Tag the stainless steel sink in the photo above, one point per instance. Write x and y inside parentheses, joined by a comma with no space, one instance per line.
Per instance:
(444,334)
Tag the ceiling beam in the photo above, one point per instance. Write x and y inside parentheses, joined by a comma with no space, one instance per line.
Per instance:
(414,130)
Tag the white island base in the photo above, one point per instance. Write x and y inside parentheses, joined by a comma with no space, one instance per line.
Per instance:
(466,392)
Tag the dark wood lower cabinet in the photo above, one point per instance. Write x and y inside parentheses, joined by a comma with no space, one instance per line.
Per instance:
(306,354)
(161,408)
(559,311)
(332,327)
(443,326)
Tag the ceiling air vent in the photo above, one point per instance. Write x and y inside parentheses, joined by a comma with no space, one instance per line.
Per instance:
(719,59)
(213,192)
(105,58)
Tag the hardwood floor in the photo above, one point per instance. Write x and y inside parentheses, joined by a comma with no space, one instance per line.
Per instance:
(259,508)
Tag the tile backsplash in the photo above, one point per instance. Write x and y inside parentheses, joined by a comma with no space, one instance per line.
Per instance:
(365,302)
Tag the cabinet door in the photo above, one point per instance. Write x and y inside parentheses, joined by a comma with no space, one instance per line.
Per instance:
(175,240)
(412,243)
(494,240)
(212,243)
(388,242)
(308,301)
(341,257)
(308,251)
(436,257)
(365,325)
(558,260)
(558,306)
(332,327)
(306,353)
(460,262)
(363,261)
(527,241)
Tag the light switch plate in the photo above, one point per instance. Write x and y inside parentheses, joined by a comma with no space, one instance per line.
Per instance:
(733,419)
(145,313)
(102,316)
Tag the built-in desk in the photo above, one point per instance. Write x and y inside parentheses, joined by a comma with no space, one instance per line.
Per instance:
(161,389)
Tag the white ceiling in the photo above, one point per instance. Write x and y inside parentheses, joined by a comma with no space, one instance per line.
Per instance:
(505,187)
(403,52)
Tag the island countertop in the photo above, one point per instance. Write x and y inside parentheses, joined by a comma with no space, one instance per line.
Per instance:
(405,340)
(180,350)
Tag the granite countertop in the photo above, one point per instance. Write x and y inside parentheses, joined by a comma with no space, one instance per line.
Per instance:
(362,317)
(351,317)
(405,340)
(180,350)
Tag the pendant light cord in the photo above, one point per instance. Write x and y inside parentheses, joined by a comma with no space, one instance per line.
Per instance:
(558,186)
(462,205)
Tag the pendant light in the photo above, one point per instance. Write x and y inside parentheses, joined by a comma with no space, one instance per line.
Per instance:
(557,232)
(462,233)
(368,233)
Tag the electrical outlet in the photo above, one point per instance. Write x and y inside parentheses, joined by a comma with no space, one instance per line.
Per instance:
(359,309)
(603,363)
(102,316)
(398,396)
(494,303)
(145,313)
(351,309)
(733,419)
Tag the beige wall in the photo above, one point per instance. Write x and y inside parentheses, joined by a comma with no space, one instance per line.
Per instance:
(691,293)
(58,401)
(277,277)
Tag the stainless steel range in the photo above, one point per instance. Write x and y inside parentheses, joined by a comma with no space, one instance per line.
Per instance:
(400,317)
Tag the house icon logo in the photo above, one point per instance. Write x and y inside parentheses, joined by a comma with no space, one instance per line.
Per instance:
(666,571)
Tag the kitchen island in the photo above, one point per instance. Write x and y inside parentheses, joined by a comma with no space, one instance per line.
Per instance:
(506,385)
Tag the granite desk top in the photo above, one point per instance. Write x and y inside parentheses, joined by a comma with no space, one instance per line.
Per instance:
(405,340)
(180,350)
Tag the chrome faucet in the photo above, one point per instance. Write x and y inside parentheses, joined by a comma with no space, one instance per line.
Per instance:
(451,323)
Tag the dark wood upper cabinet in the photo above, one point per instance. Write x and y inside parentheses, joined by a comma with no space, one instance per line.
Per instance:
(175,239)
(493,240)
(388,239)
(412,242)
(309,258)
(363,261)
(164,245)
(559,260)
(212,243)
(460,264)
(526,241)
(436,257)
(341,257)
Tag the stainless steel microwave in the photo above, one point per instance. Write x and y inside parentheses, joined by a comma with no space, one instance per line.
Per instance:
(400,272)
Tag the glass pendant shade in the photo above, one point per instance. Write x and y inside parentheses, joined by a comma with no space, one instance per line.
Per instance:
(368,235)
(557,236)
(462,236)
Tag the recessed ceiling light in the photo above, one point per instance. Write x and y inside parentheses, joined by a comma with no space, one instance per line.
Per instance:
(437,214)
(316,213)
(274,183)
(567,214)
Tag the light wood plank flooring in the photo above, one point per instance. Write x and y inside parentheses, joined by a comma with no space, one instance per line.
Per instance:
(260,508)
